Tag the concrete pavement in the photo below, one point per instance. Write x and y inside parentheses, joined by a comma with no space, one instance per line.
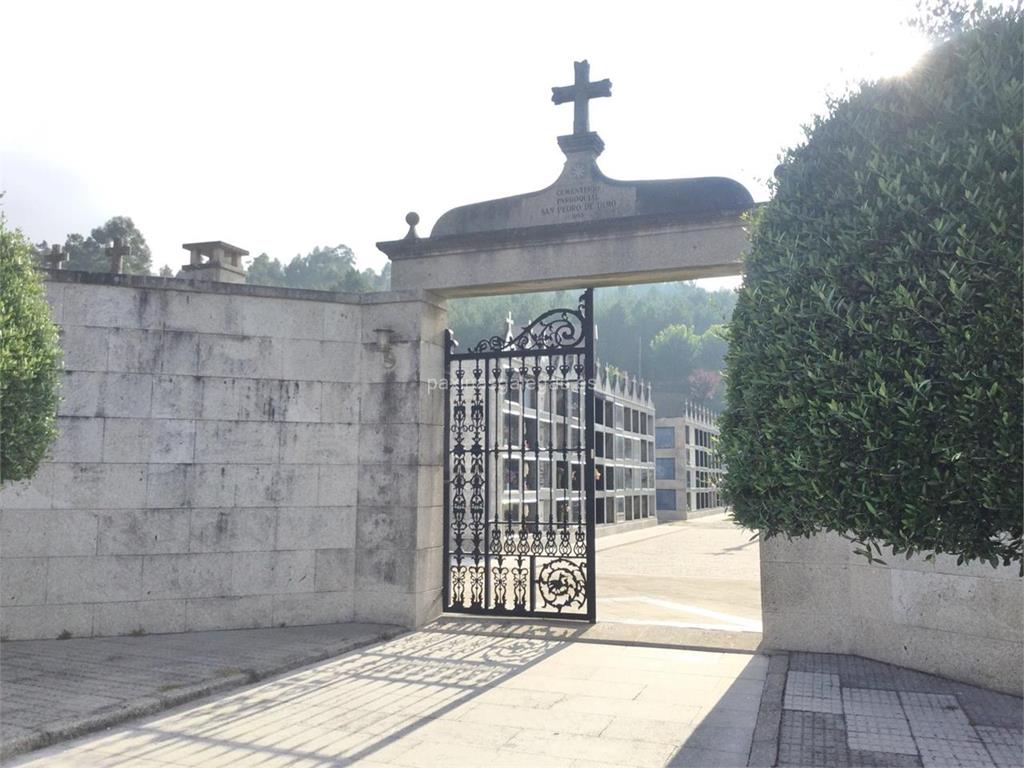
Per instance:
(53,690)
(702,574)
(462,694)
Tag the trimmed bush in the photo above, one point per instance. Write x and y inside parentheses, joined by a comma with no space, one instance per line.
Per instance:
(29,361)
(875,371)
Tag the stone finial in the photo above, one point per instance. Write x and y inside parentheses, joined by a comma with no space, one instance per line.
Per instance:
(412,219)
(116,252)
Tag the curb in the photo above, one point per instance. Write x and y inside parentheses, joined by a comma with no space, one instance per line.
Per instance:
(764,748)
(72,728)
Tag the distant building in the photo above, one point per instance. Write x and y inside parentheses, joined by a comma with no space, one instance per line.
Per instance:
(624,451)
(687,466)
(538,441)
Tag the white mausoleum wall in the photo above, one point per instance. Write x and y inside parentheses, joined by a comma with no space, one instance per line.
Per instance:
(963,622)
(230,456)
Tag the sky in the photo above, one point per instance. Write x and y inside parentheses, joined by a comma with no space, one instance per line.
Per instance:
(280,126)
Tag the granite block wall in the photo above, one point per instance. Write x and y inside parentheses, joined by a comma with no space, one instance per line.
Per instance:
(963,622)
(230,456)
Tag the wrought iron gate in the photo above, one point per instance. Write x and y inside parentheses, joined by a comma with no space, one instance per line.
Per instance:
(519,470)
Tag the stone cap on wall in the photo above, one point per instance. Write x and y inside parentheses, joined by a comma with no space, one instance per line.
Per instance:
(215,250)
(236,289)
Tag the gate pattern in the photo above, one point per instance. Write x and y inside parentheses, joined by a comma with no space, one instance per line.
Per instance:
(519,470)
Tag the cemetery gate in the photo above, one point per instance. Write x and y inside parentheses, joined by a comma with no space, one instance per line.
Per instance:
(519,470)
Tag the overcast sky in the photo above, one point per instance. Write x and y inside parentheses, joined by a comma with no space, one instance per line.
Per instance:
(282,126)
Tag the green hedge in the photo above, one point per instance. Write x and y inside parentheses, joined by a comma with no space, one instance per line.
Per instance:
(29,361)
(875,366)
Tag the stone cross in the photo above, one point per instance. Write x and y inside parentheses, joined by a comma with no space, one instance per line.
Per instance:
(509,326)
(580,93)
(57,256)
(116,252)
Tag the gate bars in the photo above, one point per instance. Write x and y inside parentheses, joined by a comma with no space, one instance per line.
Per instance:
(519,470)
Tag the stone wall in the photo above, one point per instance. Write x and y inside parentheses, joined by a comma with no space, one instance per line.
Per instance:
(230,456)
(963,622)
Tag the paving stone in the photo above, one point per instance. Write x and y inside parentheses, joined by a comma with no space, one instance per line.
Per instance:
(812,739)
(880,734)
(721,739)
(1005,745)
(624,752)
(872,702)
(827,663)
(936,716)
(940,753)
(646,729)
(868,759)
(857,672)
(991,708)
(912,680)
(813,692)
(688,757)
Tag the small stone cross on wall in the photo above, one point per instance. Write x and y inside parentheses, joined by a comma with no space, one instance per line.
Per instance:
(116,252)
(580,93)
(57,256)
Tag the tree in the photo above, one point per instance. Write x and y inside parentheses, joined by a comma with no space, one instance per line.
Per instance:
(166,271)
(713,346)
(323,267)
(330,268)
(874,371)
(264,271)
(629,320)
(675,348)
(29,359)
(705,387)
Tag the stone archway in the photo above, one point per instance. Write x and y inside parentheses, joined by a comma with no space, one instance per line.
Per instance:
(585,230)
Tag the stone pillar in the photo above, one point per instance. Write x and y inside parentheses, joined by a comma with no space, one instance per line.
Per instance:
(399,523)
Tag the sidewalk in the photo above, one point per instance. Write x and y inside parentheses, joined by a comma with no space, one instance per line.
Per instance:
(462,694)
(53,690)
(467,692)
(823,709)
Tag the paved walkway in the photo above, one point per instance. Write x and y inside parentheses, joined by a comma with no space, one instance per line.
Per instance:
(834,710)
(52,690)
(462,694)
(492,693)
(702,574)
